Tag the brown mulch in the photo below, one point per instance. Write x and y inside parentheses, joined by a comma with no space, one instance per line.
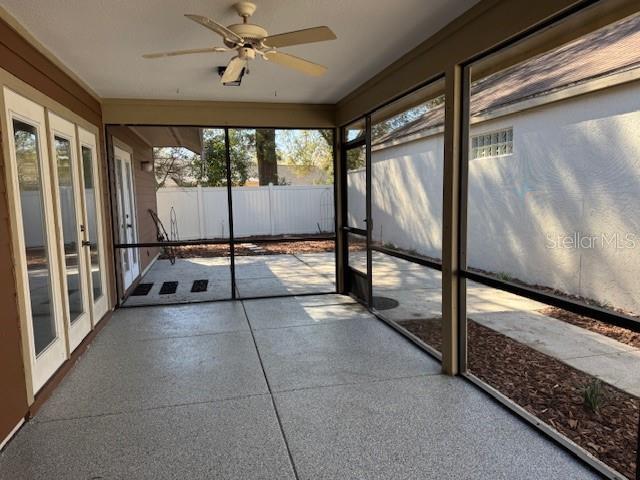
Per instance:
(550,390)
(622,335)
(429,330)
(241,249)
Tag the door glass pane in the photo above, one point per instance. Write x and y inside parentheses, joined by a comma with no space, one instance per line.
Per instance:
(355,131)
(358,252)
(92,221)
(130,217)
(69,227)
(122,219)
(356,187)
(35,234)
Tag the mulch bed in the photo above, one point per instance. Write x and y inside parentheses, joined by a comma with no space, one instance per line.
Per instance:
(241,249)
(622,335)
(550,390)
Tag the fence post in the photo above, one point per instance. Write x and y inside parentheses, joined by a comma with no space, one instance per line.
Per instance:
(271,209)
(201,219)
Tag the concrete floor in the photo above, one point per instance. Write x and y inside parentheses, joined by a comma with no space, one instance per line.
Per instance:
(306,387)
(256,276)
(417,291)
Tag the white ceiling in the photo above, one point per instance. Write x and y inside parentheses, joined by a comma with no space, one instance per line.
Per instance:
(102,41)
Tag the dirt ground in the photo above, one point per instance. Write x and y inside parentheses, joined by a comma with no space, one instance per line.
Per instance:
(243,249)
(550,390)
(622,335)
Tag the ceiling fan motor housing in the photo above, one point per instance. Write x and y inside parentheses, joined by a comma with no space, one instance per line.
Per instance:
(253,34)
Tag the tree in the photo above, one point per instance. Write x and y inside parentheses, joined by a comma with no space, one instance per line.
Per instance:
(212,170)
(266,156)
(308,149)
(175,163)
(382,128)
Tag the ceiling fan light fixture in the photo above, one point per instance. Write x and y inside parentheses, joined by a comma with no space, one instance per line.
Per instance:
(235,83)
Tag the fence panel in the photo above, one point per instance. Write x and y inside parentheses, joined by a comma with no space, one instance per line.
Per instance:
(201,212)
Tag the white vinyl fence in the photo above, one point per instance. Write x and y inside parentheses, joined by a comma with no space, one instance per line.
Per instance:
(201,212)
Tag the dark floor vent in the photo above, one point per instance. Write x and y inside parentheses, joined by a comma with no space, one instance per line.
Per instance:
(168,288)
(384,303)
(199,286)
(142,289)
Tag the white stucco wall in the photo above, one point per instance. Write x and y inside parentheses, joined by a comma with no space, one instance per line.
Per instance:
(575,170)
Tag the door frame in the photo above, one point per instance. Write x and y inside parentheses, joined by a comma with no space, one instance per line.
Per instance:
(59,127)
(353,278)
(38,368)
(124,153)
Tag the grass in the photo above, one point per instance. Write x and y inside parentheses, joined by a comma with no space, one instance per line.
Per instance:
(593,395)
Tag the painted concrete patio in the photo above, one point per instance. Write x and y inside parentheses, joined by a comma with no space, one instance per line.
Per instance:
(417,290)
(256,276)
(296,388)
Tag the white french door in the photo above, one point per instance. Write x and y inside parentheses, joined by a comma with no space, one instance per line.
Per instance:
(93,223)
(127,222)
(35,247)
(53,187)
(71,228)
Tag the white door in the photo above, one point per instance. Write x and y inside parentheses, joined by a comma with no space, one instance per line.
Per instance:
(93,224)
(35,248)
(126,216)
(65,176)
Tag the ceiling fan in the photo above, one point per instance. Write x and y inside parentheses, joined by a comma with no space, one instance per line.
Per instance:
(250,40)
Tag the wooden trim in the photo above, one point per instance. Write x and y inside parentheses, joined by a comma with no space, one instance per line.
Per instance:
(49,387)
(210,113)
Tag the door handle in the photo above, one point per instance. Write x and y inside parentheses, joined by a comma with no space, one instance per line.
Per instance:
(86,244)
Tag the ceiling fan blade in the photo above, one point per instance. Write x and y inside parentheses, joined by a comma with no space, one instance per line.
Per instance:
(184,52)
(296,63)
(234,70)
(221,30)
(308,35)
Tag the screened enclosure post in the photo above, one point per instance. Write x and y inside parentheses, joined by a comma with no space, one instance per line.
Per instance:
(113,205)
(452,307)
(463,187)
(337,210)
(340,182)
(368,222)
(232,251)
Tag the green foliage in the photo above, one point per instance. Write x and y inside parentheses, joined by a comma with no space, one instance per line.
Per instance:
(593,395)
(356,158)
(504,276)
(26,143)
(307,148)
(212,170)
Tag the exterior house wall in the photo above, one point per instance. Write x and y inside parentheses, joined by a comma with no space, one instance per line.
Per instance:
(575,170)
(24,64)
